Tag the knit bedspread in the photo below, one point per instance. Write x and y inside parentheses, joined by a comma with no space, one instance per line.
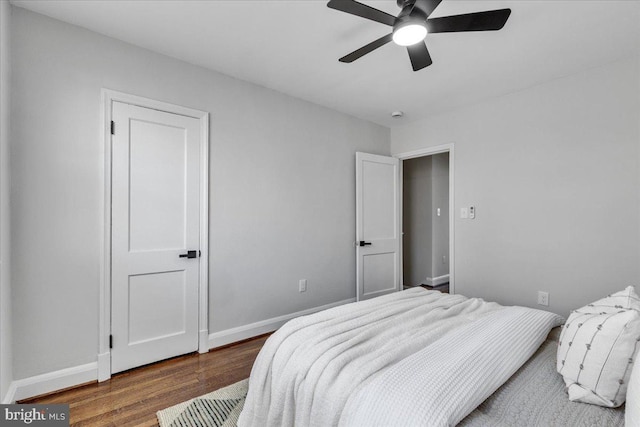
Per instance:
(412,358)
(535,396)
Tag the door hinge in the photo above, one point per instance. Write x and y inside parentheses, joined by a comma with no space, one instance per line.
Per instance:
(110,341)
(113,127)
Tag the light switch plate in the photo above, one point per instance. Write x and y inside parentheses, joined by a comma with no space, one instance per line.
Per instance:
(464,213)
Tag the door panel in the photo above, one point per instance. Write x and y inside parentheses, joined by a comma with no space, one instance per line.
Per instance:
(157,183)
(377,224)
(379,271)
(155,218)
(157,305)
(378,193)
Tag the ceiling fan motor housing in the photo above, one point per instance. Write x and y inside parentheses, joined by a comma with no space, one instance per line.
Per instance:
(410,15)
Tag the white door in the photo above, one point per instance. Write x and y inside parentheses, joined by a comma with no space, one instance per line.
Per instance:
(155,222)
(377,225)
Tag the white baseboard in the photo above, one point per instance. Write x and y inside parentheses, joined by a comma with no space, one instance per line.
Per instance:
(10,396)
(203,341)
(65,378)
(435,281)
(51,381)
(104,366)
(228,336)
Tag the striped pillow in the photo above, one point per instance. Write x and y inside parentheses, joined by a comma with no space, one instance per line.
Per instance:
(597,347)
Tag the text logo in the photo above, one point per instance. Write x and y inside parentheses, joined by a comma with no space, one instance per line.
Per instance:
(34,415)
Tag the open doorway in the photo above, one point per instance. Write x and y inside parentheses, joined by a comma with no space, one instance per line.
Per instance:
(426,222)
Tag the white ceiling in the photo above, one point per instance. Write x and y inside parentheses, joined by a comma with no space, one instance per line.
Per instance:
(294,46)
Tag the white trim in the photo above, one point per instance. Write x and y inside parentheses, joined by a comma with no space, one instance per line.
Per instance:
(203,322)
(51,381)
(435,281)
(429,151)
(77,375)
(104,309)
(251,330)
(10,396)
(400,227)
(104,366)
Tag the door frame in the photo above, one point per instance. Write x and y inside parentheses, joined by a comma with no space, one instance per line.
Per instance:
(430,151)
(104,308)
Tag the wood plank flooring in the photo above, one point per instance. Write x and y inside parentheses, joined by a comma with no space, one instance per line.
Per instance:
(444,288)
(132,398)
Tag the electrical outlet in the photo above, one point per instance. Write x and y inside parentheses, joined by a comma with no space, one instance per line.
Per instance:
(543,298)
(444,259)
(302,285)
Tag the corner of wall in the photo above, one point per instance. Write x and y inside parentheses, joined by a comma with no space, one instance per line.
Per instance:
(6,353)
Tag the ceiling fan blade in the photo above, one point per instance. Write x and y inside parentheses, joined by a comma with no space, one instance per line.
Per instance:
(419,55)
(480,21)
(426,6)
(366,49)
(362,10)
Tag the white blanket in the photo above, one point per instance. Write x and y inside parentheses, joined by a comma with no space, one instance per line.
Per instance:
(410,358)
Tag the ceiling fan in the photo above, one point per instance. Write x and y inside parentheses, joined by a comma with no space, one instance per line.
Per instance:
(413,24)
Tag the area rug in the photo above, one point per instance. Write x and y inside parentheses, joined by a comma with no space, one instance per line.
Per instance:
(220,408)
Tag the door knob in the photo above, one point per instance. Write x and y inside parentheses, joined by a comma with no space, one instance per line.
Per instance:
(363,243)
(189,254)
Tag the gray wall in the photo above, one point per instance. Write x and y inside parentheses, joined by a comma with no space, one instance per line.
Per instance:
(282,189)
(554,174)
(440,224)
(6,371)
(417,217)
(425,239)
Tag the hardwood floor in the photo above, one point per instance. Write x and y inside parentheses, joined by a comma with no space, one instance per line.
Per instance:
(132,398)
(444,288)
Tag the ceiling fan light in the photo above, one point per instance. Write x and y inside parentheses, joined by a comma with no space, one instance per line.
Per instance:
(409,34)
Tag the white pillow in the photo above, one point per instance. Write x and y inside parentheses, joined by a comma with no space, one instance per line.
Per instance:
(632,416)
(597,347)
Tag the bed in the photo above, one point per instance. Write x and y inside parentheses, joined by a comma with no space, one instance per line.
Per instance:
(415,357)
(535,396)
